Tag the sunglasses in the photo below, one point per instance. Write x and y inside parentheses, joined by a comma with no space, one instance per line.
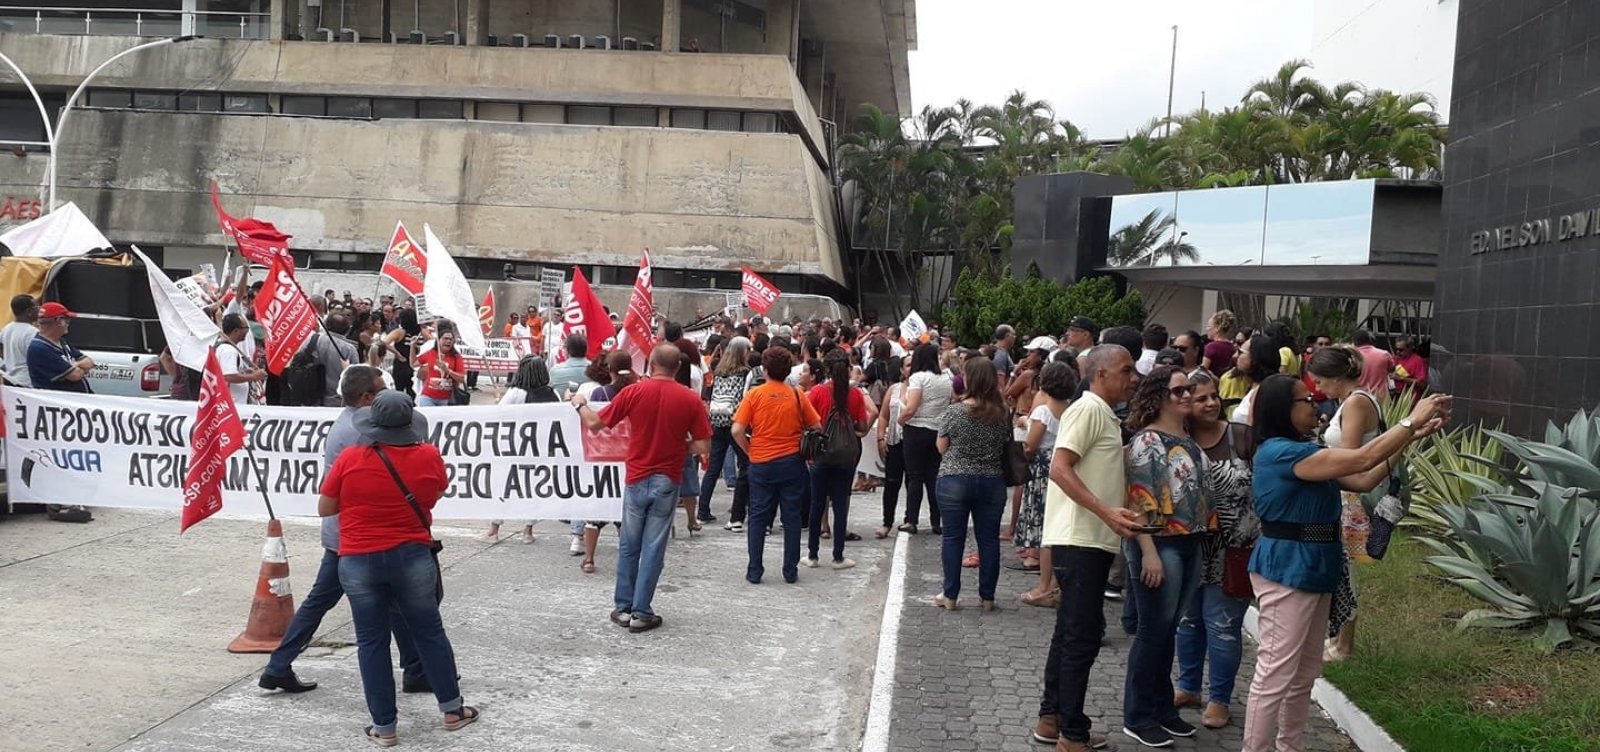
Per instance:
(1181,391)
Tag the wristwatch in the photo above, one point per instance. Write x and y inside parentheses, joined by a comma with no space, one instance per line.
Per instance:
(1408,424)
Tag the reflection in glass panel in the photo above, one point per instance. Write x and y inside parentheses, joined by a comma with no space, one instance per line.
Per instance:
(1219,227)
(1319,223)
(441,109)
(1141,225)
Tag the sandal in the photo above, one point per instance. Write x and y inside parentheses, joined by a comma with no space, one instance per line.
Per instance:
(971,561)
(382,741)
(465,716)
(1041,601)
(907,528)
(588,566)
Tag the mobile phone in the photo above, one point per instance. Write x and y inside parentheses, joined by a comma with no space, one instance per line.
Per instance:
(1151,529)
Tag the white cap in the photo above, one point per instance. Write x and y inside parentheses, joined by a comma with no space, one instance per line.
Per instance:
(1041,343)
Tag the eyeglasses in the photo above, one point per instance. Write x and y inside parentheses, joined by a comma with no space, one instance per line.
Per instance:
(1181,391)
(1308,399)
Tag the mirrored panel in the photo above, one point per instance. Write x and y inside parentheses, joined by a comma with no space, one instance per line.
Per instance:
(1313,224)
(1220,227)
(1141,225)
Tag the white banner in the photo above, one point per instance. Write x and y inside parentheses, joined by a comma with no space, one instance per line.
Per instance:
(499,355)
(515,462)
(912,328)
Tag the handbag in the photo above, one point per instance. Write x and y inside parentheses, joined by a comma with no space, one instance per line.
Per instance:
(1236,572)
(813,441)
(1014,466)
(437,545)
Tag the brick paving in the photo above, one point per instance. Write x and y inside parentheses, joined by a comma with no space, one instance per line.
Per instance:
(968,680)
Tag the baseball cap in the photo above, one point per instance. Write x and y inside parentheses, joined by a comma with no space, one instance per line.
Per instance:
(1085,323)
(54,310)
(1041,343)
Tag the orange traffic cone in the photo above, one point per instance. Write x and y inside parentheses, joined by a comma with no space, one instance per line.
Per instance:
(273,605)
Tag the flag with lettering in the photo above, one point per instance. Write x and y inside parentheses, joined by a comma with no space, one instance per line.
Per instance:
(758,292)
(405,263)
(486,313)
(258,241)
(218,433)
(284,312)
(585,315)
(637,323)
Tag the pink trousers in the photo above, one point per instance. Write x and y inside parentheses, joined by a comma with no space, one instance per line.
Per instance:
(1293,624)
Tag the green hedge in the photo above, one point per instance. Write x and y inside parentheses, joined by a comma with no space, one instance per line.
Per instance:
(1033,305)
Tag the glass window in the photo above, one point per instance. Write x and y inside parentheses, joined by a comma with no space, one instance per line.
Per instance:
(245,103)
(719,120)
(1141,227)
(200,102)
(304,106)
(544,113)
(584,115)
(440,109)
(1311,224)
(349,107)
(110,98)
(1221,227)
(760,122)
(689,119)
(504,112)
(154,100)
(636,116)
(394,108)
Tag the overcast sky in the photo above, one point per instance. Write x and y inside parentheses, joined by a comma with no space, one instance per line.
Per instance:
(1103,64)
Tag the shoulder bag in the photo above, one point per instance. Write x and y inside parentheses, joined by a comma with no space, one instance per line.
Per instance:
(1014,465)
(813,441)
(436,545)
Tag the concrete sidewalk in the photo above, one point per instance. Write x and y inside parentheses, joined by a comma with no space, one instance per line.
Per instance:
(969,680)
(116,633)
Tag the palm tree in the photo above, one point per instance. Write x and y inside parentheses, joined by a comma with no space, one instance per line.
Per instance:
(1135,244)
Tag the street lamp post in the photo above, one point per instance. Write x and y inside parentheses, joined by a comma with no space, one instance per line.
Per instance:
(52,134)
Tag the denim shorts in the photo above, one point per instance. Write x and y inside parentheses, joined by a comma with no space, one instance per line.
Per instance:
(691,478)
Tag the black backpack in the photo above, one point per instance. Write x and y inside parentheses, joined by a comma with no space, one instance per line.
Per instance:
(844,446)
(305,378)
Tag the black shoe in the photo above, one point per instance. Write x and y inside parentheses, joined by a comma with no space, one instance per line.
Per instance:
(938,530)
(1154,736)
(621,618)
(417,686)
(69,514)
(644,625)
(290,683)
(708,518)
(1178,727)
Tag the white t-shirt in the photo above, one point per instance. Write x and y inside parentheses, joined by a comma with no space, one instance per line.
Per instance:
(521,331)
(936,390)
(14,340)
(233,363)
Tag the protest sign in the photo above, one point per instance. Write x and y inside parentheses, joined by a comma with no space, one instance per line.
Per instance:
(519,462)
(498,355)
(550,283)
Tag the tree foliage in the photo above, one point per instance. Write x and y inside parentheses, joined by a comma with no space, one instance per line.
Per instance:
(1033,304)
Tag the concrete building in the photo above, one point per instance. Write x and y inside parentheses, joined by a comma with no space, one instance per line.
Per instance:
(536,133)
(1399,45)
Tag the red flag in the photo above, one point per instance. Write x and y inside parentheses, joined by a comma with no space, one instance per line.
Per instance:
(641,312)
(758,292)
(218,433)
(405,263)
(284,312)
(258,241)
(486,313)
(585,315)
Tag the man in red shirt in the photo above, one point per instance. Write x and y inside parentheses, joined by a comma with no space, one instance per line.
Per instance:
(667,421)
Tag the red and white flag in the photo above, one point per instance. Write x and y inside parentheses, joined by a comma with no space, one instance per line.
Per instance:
(258,241)
(758,292)
(486,313)
(405,263)
(218,433)
(284,312)
(637,323)
(585,315)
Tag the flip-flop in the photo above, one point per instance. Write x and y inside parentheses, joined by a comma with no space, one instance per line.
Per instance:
(588,567)
(970,562)
(851,537)
(465,716)
(382,741)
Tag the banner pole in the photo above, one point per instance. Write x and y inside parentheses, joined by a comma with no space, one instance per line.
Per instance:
(253,464)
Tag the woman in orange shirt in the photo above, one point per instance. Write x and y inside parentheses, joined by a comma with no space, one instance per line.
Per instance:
(768,427)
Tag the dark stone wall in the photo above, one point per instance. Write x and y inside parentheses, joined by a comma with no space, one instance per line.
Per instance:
(1518,297)
(1058,225)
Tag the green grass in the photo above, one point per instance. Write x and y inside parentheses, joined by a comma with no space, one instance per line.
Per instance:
(1436,689)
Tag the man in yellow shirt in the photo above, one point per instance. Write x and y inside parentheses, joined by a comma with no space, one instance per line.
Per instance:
(1084,524)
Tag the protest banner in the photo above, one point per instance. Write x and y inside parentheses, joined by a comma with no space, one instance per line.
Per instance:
(286,314)
(759,294)
(405,263)
(498,354)
(517,462)
(218,434)
(551,281)
(486,312)
(638,324)
(188,330)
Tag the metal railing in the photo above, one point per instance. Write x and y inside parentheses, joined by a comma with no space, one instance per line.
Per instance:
(134,22)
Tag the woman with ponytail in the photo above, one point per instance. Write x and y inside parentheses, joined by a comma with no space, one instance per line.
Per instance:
(835,400)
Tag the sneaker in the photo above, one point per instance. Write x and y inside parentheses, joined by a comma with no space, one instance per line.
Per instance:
(576,549)
(621,618)
(809,563)
(735,527)
(644,625)
(1178,727)
(844,564)
(1154,736)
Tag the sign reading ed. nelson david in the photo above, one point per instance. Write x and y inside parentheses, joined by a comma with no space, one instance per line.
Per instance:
(1538,232)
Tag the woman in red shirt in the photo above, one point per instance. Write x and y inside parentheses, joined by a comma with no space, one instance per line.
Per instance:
(442,370)
(831,482)
(384,490)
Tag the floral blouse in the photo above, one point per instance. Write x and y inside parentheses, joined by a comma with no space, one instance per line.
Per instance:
(1166,481)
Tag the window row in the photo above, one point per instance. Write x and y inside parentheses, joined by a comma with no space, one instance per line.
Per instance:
(182,102)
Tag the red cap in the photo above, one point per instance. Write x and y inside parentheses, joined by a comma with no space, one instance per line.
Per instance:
(53,310)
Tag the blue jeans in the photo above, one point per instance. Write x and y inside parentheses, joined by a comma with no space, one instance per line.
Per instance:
(1147,691)
(983,498)
(830,483)
(325,594)
(726,457)
(403,579)
(1211,627)
(775,486)
(424,400)
(642,542)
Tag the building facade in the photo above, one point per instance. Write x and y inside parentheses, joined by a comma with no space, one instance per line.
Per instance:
(534,133)
(1519,277)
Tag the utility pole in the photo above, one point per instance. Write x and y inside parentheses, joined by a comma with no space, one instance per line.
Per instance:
(1172,77)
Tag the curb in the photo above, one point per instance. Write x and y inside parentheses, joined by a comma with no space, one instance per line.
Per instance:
(1353,721)
(880,703)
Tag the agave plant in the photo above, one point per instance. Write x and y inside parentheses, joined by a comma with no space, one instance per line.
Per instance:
(1449,469)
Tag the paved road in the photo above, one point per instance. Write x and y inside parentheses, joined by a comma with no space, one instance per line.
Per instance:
(969,680)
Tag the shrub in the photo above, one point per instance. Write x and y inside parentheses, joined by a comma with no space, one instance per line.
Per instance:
(1033,305)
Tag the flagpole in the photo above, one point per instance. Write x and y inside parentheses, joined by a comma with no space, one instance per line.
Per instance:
(264,498)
